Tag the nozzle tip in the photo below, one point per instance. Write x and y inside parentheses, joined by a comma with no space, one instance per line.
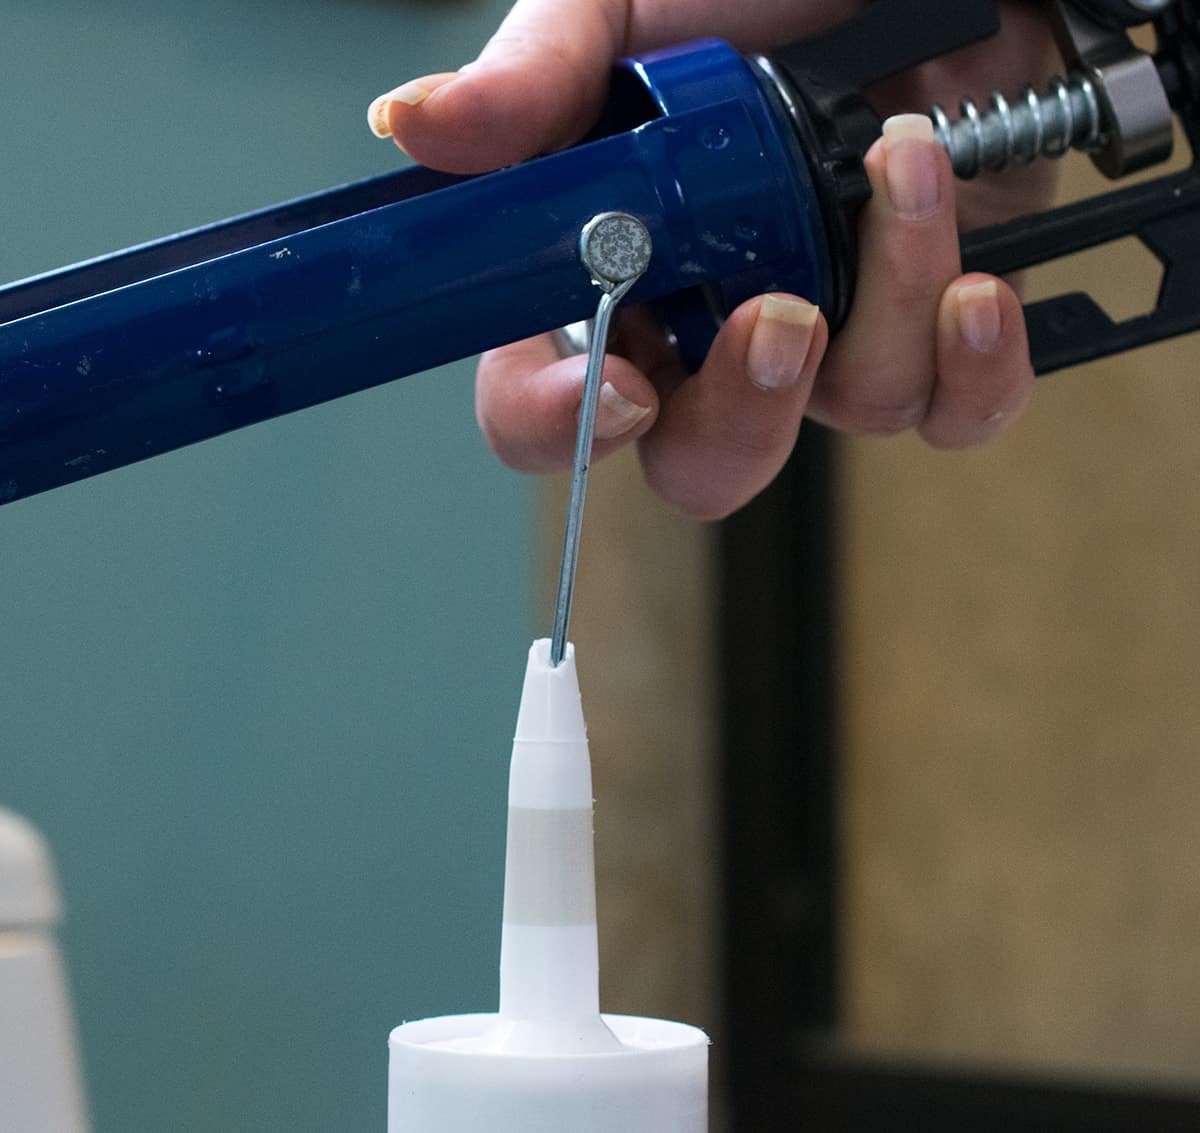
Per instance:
(551,708)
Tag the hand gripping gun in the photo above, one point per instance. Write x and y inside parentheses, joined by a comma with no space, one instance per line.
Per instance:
(746,172)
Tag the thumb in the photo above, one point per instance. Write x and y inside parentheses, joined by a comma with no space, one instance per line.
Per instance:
(537,86)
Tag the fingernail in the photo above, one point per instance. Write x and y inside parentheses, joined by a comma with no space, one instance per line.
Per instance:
(615,414)
(411,93)
(979,315)
(911,166)
(780,341)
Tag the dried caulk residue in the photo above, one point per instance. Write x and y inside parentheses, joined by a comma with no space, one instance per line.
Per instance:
(84,460)
(712,240)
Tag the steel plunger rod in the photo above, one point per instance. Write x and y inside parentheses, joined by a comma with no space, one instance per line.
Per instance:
(615,247)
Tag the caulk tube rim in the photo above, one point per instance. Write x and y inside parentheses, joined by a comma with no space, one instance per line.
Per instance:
(440,1080)
(439,1037)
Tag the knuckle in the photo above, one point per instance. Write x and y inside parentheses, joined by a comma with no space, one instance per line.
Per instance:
(701,499)
(751,444)
(874,416)
(496,440)
(946,432)
(510,451)
(916,274)
(870,393)
(697,484)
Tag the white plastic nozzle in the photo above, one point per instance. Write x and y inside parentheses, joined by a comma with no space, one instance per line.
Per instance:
(549,963)
(548,1061)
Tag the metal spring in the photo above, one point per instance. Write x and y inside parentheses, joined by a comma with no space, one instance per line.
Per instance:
(1066,118)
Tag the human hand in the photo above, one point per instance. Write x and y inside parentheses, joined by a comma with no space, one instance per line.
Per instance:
(924,347)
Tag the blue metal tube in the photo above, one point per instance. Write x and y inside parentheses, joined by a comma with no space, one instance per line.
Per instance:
(148,350)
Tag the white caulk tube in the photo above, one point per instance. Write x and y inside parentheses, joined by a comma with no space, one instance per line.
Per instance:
(548,1061)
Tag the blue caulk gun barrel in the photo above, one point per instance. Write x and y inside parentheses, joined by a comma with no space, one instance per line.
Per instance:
(132,355)
(747,173)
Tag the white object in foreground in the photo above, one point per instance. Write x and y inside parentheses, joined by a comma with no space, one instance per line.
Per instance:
(548,1061)
(41,1088)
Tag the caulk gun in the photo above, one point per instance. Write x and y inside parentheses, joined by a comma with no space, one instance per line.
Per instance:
(747,174)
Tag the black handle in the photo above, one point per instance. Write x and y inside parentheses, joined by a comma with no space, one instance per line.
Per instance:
(822,80)
(887,37)
(827,73)
(1070,329)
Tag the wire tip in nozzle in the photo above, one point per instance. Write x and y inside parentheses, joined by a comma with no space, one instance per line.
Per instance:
(551,707)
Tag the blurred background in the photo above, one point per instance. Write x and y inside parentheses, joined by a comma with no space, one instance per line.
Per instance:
(941,773)
(258,694)
(897,770)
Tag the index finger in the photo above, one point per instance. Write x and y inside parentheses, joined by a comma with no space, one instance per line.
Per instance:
(540,82)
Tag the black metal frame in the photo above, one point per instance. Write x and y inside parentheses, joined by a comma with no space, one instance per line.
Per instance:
(779,782)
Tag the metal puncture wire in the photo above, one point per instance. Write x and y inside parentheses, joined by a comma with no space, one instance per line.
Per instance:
(615,247)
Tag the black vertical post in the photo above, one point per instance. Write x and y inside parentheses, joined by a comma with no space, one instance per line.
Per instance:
(778,618)
(777,635)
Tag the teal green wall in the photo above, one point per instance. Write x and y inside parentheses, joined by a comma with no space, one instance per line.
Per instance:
(257,693)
